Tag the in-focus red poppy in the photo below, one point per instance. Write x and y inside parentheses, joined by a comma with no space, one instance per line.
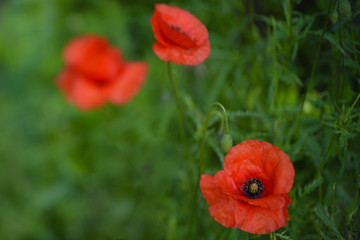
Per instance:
(96,73)
(181,37)
(251,193)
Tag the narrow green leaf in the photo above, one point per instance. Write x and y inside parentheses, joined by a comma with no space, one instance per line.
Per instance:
(311,186)
(323,213)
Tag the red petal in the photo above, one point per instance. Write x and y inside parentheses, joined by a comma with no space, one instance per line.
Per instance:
(249,157)
(80,91)
(178,55)
(93,56)
(176,36)
(221,206)
(128,83)
(227,185)
(158,34)
(258,220)
(82,47)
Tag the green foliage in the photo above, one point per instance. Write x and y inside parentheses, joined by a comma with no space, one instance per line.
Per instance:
(328,221)
(284,73)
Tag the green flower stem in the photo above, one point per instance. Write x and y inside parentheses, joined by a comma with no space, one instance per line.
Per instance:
(272,236)
(196,187)
(323,161)
(180,115)
(290,5)
(221,121)
(274,58)
(341,81)
(289,20)
(204,133)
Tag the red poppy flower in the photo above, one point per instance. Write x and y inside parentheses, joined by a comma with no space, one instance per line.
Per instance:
(251,193)
(181,37)
(95,73)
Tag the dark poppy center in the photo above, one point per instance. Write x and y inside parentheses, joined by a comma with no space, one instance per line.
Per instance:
(253,188)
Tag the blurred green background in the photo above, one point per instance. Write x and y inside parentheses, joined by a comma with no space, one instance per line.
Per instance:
(122,173)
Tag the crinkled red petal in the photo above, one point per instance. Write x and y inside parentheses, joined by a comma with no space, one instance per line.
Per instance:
(257,220)
(80,91)
(262,158)
(128,83)
(221,206)
(178,55)
(175,35)
(159,36)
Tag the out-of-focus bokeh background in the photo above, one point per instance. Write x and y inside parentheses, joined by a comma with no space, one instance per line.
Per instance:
(122,173)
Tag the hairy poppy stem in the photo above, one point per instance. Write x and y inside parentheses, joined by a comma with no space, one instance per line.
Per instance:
(196,190)
(272,236)
(290,5)
(180,115)
(221,121)
(203,143)
(205,129)
(204,133)
(275,79)
(323,161)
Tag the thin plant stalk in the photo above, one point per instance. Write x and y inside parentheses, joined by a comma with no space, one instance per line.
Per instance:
(204,133)
(341,80)
(180,115)
(325,157)
(291,5)
(272,236)
(323,161)
(196,190)
(295,125)
(274,57)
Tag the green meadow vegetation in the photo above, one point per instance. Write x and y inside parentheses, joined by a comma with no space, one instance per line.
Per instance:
(286,71)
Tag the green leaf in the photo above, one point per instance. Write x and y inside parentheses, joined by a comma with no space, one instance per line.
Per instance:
(330,38)
(309,188)
(324,236)
(323,213)
(282,236)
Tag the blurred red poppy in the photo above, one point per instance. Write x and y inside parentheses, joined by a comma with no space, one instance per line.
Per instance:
(251,193)
(181,37)
(95,73)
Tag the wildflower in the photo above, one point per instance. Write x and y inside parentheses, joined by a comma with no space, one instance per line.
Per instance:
(251,193)
(96,73)
(181,37)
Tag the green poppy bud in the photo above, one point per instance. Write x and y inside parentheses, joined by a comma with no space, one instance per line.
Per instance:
(334,17)
(226,143)
(344,8)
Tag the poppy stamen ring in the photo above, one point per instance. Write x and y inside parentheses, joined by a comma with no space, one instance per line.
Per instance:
(253,188)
